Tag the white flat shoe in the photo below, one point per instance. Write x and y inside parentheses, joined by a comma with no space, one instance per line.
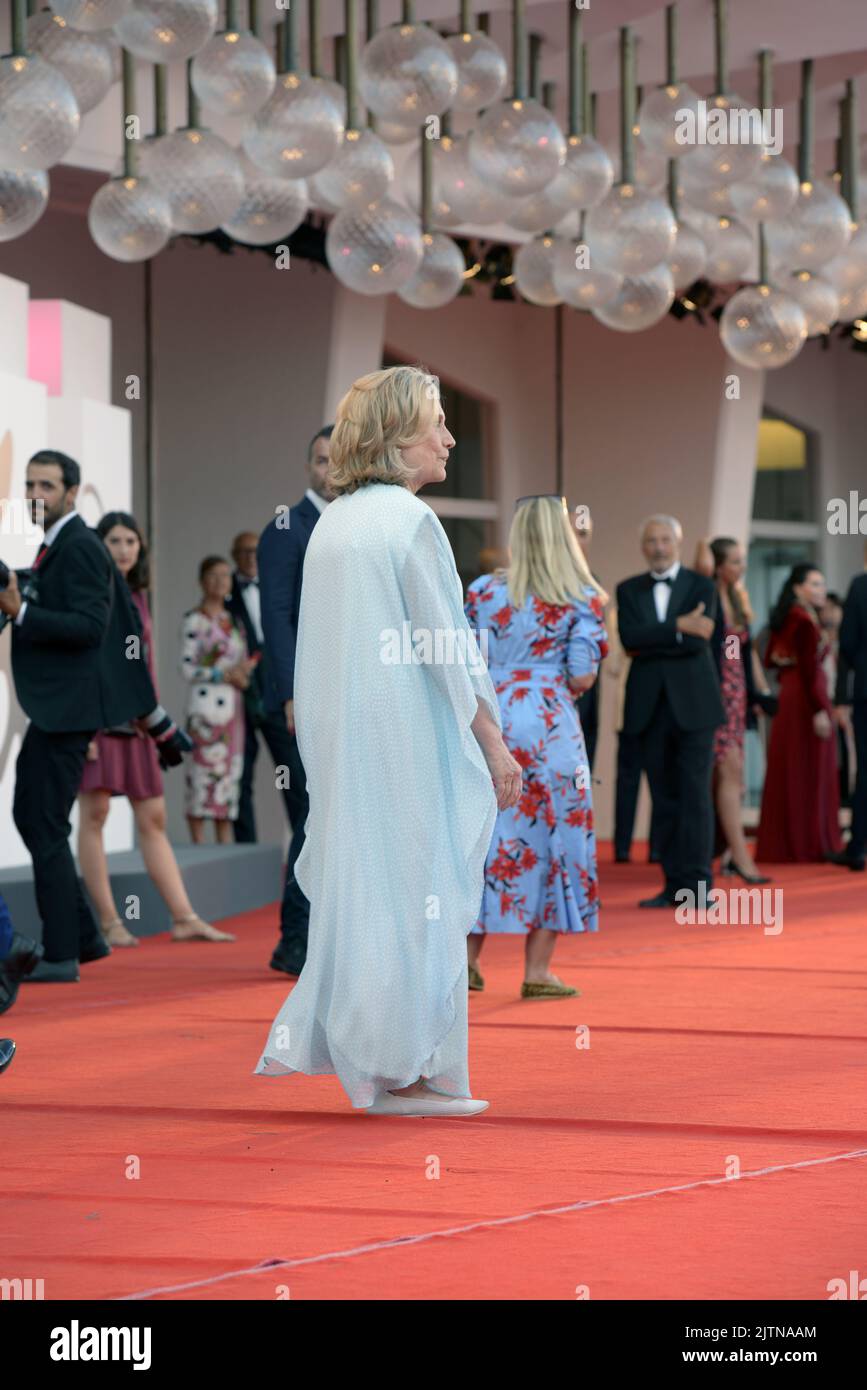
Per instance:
(387,1104)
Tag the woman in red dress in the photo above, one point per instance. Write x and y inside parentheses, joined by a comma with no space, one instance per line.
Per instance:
(128,766)
(800,805)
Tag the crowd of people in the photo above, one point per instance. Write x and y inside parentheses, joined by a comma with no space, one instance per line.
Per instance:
(476,773)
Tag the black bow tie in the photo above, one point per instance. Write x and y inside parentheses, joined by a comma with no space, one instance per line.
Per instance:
(668,580)
(245,583)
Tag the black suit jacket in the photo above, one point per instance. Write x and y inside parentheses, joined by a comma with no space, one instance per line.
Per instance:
(281,554)
(684,669)
(74,666)
(853,636)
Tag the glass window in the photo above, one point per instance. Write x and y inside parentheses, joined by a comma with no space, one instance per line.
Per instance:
(783,487)
(468,478)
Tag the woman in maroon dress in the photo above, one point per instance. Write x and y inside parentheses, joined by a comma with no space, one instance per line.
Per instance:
(800,805)
(119,765)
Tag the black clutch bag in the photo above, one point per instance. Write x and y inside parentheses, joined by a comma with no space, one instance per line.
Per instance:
(769,703)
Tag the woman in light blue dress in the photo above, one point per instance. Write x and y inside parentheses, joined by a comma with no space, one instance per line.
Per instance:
(398,729)
(540,625)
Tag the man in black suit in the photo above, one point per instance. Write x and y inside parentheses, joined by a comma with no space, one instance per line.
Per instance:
(853,646)
(282,548)
(666,620)
(71,630)
(245,605)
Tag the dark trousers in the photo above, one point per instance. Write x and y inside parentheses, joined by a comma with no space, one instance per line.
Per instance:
(47,778)
(295,909)
(6,929)
(858,842)
(679,764)
(629,769)
(280,745)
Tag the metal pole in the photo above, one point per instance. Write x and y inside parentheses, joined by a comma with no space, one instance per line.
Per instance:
(350,10)
(160,100)
(721,46)
(805,148)
(313,35)
(671,45)
(576,90)
(627,105)
(519,49)
(130,153)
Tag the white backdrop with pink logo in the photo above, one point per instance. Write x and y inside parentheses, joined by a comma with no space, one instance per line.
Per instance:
(55,373)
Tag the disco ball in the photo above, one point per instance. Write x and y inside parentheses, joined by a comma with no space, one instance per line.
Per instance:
(360,172)
(23,199)
(728,160)
(591,169)
(816,296)
(200,176)
(849,270)
(445,152)
(769,195)
(662,114)
(577,280)
(582,182)
(234,74)
(394,134)
(91,16)
(697,192)
(440,276)
(270,209)
(374,249)
(541,211)
(407,73)
(482,71)
(130,219)
(39,118)
(298,130)
(87,61)
(534,271)
(853,303)
(631,231)
(817,229)
(729,253)
(641,301)
(688,257)
(167,31)
(763,327)
(458,187)
(517,147)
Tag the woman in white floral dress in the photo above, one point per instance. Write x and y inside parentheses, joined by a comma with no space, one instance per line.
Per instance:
(216,664)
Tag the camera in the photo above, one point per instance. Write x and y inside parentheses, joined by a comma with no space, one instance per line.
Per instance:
(26,585)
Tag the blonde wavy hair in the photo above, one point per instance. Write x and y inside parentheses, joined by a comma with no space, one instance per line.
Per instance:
(546,557)
(381,414)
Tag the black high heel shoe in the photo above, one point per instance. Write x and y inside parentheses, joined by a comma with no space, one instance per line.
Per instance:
(731,870)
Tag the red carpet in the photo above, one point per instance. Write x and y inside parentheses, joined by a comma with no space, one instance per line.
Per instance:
(601,1168)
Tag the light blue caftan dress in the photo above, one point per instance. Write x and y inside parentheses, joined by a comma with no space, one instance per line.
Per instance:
(388,678)
(541,866)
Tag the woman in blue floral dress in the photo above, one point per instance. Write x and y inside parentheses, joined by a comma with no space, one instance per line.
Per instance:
(540,626)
